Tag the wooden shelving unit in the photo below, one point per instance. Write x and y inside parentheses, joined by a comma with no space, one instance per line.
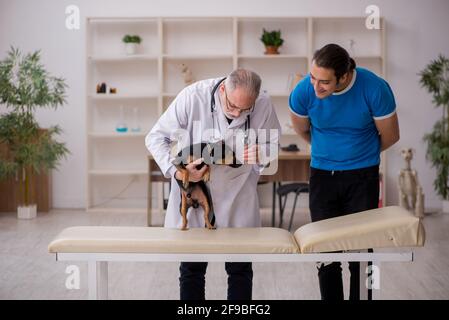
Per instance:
(211,47)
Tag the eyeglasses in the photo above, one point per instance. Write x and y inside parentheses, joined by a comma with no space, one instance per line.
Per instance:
(232,108)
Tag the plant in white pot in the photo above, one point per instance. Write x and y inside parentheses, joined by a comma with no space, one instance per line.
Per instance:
(131,42)
(24,86)
(435,78)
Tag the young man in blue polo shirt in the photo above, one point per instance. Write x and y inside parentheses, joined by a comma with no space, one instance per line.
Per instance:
(348,115)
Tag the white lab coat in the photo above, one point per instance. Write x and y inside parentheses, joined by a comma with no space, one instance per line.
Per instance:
(233,190)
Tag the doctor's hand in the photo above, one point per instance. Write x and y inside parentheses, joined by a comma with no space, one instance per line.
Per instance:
(251,154)
(195,175)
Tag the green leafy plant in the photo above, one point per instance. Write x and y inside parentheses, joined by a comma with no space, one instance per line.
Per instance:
(272,38)
(131,39)
(435,78)
(27,149)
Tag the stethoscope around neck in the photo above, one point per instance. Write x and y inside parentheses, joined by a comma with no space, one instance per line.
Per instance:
(213,110)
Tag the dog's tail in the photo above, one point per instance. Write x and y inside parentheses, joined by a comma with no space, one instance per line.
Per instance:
(209,200)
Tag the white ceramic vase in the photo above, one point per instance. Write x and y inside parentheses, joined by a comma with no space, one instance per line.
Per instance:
(27,212)
(130,48)
(446,206)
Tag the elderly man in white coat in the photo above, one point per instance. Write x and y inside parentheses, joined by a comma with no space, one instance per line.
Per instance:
(229,109)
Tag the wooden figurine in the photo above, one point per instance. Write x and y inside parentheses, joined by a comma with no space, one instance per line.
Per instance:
(187,73)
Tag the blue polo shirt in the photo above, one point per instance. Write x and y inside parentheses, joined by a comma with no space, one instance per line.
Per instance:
(343,132)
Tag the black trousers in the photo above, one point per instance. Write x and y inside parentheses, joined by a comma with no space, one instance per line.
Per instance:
(192,280)
(336,193)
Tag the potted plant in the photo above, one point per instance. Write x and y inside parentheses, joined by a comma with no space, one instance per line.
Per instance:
(272,41)
(131,42)
(24,86)
(435,78)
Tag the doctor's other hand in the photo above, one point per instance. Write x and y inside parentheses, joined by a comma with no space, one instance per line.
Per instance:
(251,154)
(195,175)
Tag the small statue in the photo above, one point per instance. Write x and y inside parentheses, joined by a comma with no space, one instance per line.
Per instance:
(411,196)
(293,80)
(101,88)
(352,47)
(187,73)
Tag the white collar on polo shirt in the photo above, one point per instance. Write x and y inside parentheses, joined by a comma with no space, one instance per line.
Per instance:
(354,75)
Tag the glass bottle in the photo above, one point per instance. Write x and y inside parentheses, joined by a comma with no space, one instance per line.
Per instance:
(121,125)
(135,127)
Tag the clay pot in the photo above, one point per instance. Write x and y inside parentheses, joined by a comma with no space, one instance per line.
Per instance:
(271,50)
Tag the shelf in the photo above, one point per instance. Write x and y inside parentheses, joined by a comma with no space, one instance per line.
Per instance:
(294,33)
(173,79)
(197,36)
(123,58)
(117,172)
(277,75)
(169,95)
(109,96)
(271,56)
(349,32)
(275,94)
(120,20)
(117,135)
(271,19)
(211,47)
(367,57)
(340,18)
(197,56)
(105,36)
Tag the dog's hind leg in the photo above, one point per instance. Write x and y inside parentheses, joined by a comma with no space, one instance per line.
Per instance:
(184,211)
(207,205)
(206,209)
(203,200)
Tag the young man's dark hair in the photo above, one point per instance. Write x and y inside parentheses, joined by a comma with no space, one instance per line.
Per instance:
(332,56)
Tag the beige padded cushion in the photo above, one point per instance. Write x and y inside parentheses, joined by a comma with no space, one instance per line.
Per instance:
(164,240)
(384,227)
(379,228)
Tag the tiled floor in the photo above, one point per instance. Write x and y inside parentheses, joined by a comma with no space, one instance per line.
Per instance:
(28,271)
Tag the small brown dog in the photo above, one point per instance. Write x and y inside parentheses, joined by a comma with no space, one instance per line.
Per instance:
(196,194)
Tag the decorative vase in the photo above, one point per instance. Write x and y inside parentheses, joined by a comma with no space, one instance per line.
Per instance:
(27,212)
(271,50)
(446,206)
(130,48)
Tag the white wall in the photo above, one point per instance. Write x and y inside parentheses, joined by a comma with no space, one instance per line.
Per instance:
(417,32)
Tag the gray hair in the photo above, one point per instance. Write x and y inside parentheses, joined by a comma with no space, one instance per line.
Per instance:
(247,79)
